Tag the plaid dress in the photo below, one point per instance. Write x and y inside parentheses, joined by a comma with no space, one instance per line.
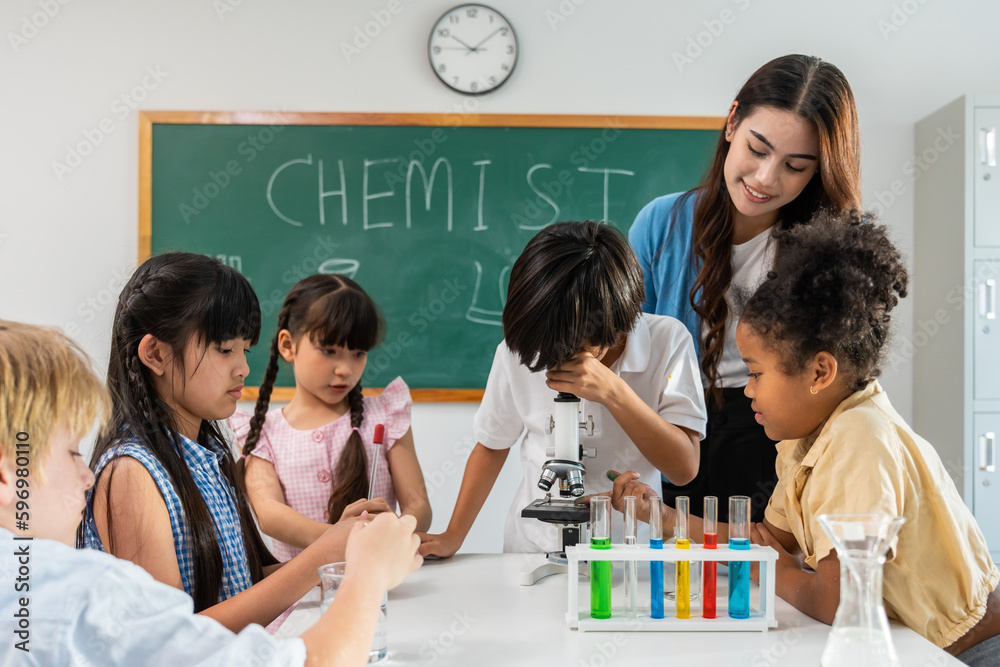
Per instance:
(219,497)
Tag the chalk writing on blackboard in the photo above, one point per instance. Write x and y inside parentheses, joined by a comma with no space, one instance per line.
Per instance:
(341,265)
(371,169)
(482,315)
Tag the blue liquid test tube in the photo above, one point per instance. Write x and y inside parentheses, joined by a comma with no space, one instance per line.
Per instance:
(656,566)
(739,571)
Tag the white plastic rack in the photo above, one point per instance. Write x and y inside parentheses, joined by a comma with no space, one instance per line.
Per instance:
(760,620)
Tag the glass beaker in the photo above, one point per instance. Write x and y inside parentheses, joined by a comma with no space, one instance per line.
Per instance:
(860,633)
(331,576)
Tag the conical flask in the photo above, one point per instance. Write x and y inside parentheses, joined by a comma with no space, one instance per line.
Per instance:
(860,633)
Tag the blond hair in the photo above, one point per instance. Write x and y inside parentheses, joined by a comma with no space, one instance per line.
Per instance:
(47,383)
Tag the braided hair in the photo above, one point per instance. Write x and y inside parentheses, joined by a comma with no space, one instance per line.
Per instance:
(332,310)
(832,289)
(179,298)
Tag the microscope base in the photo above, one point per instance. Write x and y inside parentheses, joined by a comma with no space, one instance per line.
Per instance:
(555,563)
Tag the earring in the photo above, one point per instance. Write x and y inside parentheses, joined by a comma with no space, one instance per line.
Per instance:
(812,390)
(728,132)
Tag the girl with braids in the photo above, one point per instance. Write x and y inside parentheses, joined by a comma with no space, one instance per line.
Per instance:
(308,464)
(813,337)
(790,146)
(168,496)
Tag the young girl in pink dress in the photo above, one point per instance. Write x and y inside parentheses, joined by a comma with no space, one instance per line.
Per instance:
(308,464)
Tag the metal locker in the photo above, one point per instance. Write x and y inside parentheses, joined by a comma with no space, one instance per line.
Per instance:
(986,488)
(986,177)
(986,331)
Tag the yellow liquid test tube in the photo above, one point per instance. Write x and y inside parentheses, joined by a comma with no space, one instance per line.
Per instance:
(683,582)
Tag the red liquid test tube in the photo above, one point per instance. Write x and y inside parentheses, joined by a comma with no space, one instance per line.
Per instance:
(711,541)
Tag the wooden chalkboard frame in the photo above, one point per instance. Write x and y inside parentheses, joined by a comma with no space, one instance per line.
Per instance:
(147,119)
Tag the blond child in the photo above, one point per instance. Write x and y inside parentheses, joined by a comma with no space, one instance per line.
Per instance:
(85,607)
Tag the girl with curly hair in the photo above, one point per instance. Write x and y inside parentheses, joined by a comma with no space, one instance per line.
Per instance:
(813,337)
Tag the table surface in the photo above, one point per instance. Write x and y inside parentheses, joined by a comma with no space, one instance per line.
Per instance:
(470,610)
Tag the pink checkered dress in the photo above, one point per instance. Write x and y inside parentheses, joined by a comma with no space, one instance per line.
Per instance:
(305,460)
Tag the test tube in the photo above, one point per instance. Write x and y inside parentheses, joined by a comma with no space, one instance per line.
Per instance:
(656,566)
(631,566)
(739,570)
(600,570)
(683,584)
(709,518)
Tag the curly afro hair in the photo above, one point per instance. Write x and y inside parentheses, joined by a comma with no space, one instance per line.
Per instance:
(833,285)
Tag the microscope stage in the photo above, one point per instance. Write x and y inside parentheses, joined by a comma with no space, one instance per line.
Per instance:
(563,511)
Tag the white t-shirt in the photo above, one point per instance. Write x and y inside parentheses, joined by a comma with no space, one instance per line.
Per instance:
(658,363)
(751,262)
(90,608)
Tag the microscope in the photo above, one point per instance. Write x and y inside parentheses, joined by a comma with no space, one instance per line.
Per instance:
(564,466)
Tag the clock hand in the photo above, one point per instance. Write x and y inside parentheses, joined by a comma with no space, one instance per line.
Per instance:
(470,48)
(488,37)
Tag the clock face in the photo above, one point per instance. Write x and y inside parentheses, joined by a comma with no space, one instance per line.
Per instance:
(473,49)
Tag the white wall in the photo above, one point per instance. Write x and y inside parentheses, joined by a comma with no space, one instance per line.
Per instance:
(67,244)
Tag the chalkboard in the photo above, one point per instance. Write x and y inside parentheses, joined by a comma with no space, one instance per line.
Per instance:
(427,212)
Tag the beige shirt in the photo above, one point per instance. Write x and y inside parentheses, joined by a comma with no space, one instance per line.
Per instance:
(867,459)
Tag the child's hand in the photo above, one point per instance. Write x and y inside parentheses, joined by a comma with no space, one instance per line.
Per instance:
(443,546)
(759,534)
(630,484)
(585,376)
(374,506)
(385,547)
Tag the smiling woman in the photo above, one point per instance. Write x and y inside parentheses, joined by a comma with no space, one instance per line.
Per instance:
(790,147)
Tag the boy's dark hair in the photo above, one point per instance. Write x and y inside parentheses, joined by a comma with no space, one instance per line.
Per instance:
(576,284)
(179,298)
(834,283)
(332,310)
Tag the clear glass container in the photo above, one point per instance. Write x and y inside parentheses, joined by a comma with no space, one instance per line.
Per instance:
(860,633)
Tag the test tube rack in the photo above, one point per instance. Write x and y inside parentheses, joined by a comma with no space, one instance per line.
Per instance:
(760,620)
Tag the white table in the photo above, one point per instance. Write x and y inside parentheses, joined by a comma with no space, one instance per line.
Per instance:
(470,610)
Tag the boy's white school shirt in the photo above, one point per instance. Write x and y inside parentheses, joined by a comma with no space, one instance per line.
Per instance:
(658,363)
(86,607)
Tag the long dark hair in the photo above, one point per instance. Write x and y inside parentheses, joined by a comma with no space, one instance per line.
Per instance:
(178,298)
(332,310)
(818,92)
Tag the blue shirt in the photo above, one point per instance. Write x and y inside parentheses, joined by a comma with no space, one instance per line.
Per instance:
(219,497)
(662,237)
(90,608)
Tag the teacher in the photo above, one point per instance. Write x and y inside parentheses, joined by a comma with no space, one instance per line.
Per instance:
(790,146)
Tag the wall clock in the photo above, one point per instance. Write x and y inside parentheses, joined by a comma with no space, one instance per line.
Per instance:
(473,49)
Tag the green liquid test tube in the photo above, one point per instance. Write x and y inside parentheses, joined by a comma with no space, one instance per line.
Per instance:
(600,570)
